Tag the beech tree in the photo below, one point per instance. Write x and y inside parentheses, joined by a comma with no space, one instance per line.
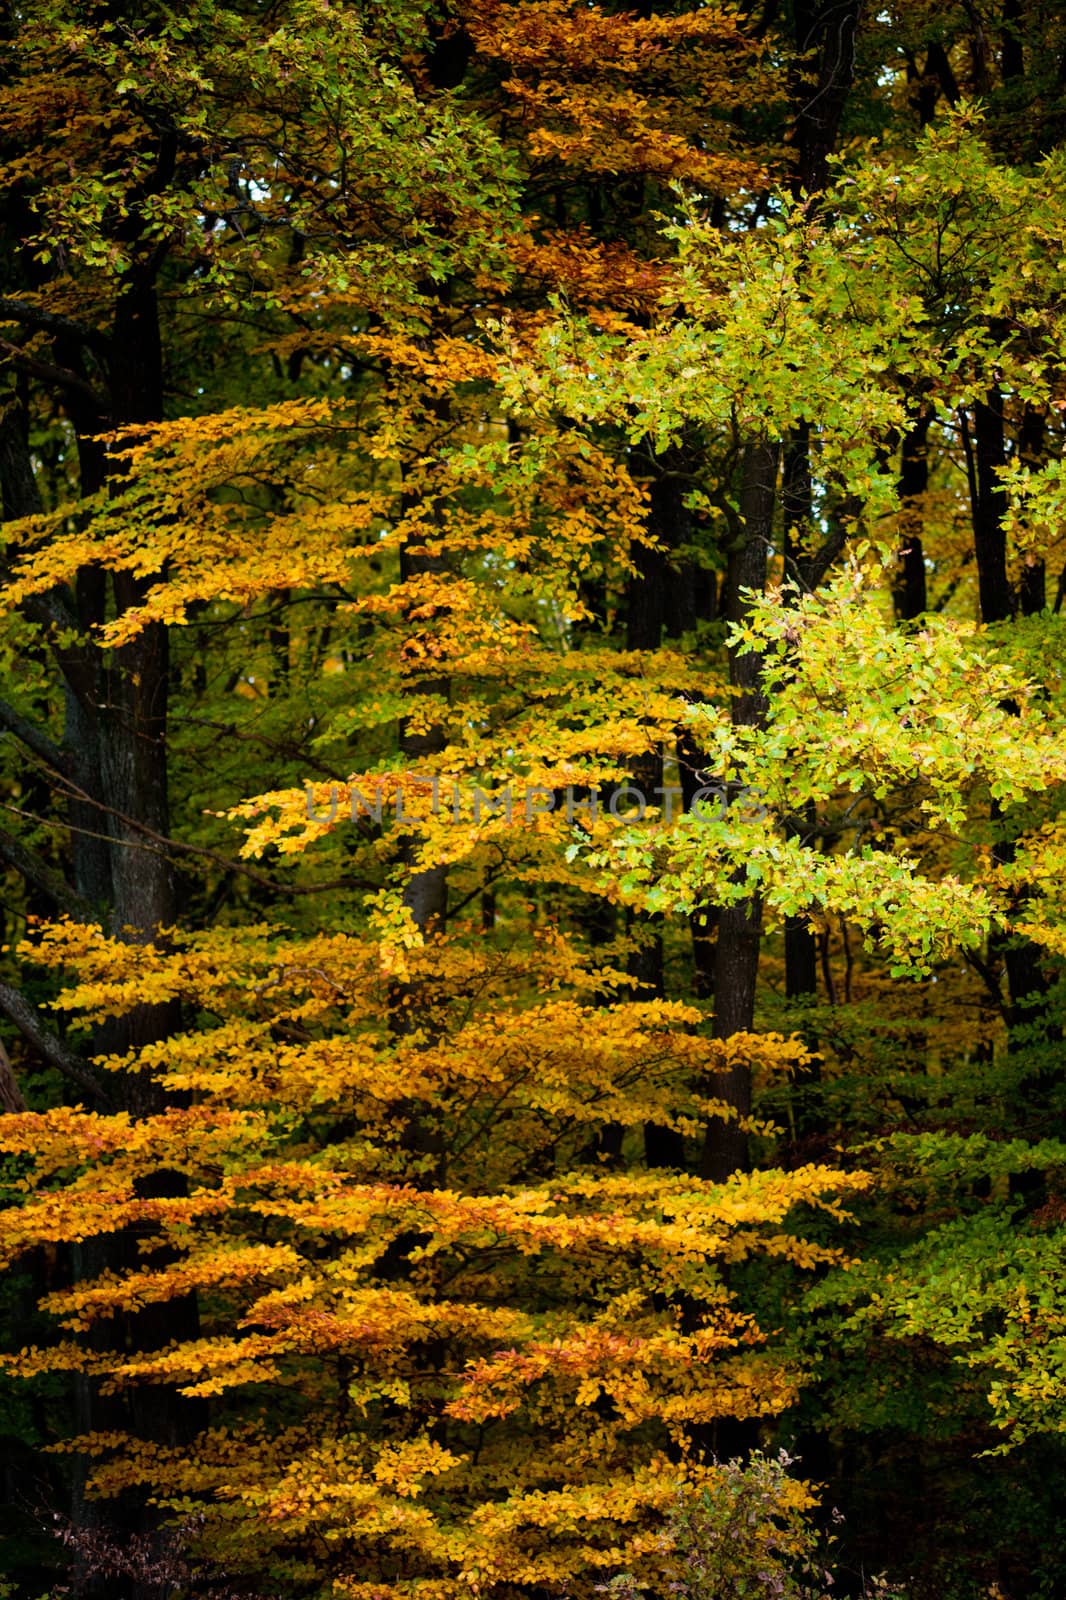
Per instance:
(533,769)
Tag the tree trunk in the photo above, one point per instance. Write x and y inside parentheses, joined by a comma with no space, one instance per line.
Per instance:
(797,518)
(910,588)
(725,1147)
(1026,980)
(1032,436)
(648,597)
(989,536)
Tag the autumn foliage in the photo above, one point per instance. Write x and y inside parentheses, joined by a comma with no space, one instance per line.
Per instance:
(533,783)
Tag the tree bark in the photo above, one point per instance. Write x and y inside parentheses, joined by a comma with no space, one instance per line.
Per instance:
(989,536)
(1032,436)
(115,747)
(831,30)
(797,517)
(910,589)
(725,1149)
(1027,982)
(648,604)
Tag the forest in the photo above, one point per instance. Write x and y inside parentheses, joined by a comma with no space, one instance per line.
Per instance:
(533,800)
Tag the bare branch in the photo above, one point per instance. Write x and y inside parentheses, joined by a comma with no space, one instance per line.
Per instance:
(21,498)
(48,322)
(991,980)
(41,875)
(824,558)
(41,745)
(160,843)
(61,377)
(48,1045)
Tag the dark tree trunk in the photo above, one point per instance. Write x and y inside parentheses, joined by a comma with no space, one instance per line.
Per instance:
(114,755)
(989,535)
(725,1147)
(797,517)
(426,890)
(648,596)
(910,589)
(1032,436)
(831,30)
(801,959)
(1026,980)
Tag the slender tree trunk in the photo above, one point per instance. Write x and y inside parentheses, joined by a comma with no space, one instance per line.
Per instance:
(1026,980)
(426,890)
(1032,436)
(425,896)
(989,535)
(910,588)
(739,926)
(648,597)
(797,518)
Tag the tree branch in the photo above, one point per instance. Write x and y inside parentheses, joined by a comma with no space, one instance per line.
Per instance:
(10,1093)
(51,610)
(47,1045)
(61,377)
(35,871)
(812,571)
(160,843)
(49,322)
(33,738)
(991,981)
